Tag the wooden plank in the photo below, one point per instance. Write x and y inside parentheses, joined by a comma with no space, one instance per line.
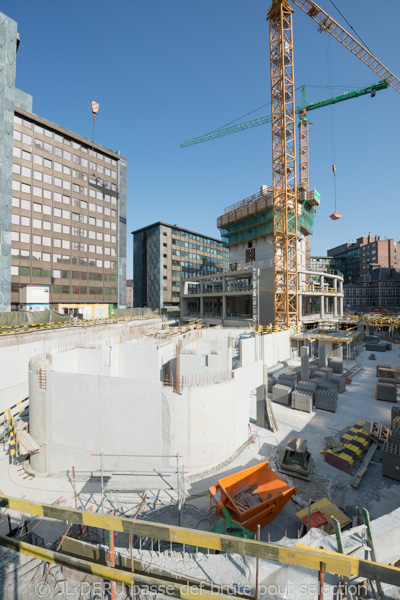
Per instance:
(310,559)
(364,466)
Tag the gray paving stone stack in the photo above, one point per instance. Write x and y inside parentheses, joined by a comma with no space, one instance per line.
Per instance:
(302,400)
(388,346)
(332,386)
(372,338)
(323,375)
(386,380)
(307,386)
(341,382)
(313,368)
(381,367)
(271,382)
(326,400)
(395,417)
(286,379)
(391,460)
(386,392)
(394,437)
(336,364)
(282,394)
(376,347)
(328,371)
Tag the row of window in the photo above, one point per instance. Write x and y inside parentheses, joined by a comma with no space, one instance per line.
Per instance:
(59,138)
(198,238)
(63,259)
(39,240)
(199,270)
(65,184)
(183,244)
(61,214)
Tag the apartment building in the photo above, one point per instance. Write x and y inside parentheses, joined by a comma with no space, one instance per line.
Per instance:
(129,293)
(163,254)
(63,198)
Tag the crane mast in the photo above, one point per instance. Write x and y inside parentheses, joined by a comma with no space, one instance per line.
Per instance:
(283,164)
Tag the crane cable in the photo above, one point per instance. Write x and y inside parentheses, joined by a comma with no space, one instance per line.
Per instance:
(328,56)
(95,104)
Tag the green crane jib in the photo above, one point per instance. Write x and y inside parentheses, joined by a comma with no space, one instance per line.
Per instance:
(372,89)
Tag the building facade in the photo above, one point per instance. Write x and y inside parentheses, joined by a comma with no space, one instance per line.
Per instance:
(379,289)
(164,254)
(63,204)
(353,258)
(129,293)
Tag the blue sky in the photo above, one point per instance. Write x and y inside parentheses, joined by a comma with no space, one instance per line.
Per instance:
(175,69)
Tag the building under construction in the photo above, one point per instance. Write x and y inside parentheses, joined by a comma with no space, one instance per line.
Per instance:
(246,291)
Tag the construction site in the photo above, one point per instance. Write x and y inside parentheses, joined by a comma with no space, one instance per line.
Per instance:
(246,446)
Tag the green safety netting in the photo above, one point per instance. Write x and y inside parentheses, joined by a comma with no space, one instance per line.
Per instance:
(42,317)
(134,312)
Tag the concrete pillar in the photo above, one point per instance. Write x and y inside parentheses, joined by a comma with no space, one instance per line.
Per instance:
(224,307)
(339,351)
(261,418)
(322,303)
(300,297)
(305,363)
(322,353)
(340,306)
(335,306)
(201,307)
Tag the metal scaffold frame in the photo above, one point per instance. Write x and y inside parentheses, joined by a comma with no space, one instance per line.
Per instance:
(283,164)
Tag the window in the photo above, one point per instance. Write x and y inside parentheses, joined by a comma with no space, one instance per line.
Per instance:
(26,172)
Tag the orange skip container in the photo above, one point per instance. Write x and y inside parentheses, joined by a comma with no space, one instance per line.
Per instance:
(272,490)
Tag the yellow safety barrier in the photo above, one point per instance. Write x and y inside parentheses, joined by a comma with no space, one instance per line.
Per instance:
(336,563)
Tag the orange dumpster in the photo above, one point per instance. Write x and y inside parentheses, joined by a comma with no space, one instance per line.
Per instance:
(253,496)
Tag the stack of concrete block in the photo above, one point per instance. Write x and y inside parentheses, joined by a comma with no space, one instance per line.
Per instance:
(386,380)
(326,400)
(386,391)
(391,460)
(313,368)
(271,382)
(282,394)
(397,374)
(388,346)
(322,375)
(376,347)
(306,386)
(302,400)
(336,364)
(395,417)
(293,373)
(286,379)
(328,371)
(341,382)
(381,367)
(331,386)
(394,436)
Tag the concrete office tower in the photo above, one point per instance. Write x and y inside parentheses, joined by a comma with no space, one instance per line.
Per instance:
(62,204)
(163,254)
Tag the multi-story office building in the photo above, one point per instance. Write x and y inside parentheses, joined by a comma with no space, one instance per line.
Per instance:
(63,204)
(353,258)
(163,254)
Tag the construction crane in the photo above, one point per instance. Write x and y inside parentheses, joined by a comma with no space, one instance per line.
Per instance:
(304,106)
(284,142)
(302,110)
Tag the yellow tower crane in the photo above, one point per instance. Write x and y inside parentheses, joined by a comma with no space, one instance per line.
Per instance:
(284,142)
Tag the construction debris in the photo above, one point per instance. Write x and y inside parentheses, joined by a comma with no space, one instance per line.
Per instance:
(296,461)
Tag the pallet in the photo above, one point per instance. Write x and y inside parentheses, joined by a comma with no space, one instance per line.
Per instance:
(364,466)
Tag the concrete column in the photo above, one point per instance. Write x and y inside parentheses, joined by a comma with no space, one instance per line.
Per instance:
(261,418)
(224,307)
(340,306)
(322,303)
(300,307)
(335,306)
(322,353)
(201,306)
(305,363)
